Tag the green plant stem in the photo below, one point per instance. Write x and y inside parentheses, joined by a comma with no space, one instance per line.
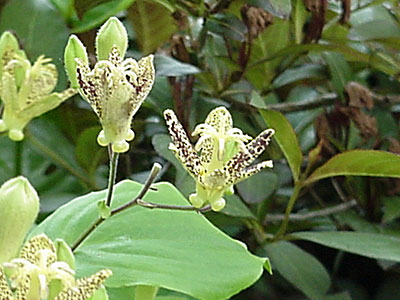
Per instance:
(145,292)
(112,176)
(153,174)
(289,208)
(18,158)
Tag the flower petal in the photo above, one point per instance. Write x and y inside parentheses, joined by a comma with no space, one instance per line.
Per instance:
(31,249)
(85,287)
(183,149)
(5,291)
(244,158)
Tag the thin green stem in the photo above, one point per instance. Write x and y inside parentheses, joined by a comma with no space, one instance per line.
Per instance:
(153,174)
(112,176)
(289,208)
(145,292)
(18,158)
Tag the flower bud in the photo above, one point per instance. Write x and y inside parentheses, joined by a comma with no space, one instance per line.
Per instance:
(64,253)
(19,207)
(8,44)
(74,49)
(111,34)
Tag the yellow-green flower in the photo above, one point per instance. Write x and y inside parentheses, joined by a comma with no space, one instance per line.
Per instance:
(37,274)
(221,157)
(115,88)
(26,92)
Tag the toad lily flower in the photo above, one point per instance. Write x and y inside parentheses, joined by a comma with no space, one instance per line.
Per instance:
(26,91)
(115,88)
(225,155)
(38,275)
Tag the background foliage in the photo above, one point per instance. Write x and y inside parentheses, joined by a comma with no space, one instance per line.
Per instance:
(323,74)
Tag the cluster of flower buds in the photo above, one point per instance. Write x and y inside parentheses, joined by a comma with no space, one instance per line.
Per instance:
(221,157)
(41,270)
(114,87)
(26,90)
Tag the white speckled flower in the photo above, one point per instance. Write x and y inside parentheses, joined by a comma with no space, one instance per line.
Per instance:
(115,88)
(221,157)
(37,274)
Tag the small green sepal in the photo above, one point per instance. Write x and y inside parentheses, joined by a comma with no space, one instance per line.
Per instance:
(64,253)
(111,34)
(74,49)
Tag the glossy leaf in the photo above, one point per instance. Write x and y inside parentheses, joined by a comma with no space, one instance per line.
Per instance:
(286,138)
(181,251)
(258,187)
(372,245)
(359,163)
(339,69)
(153,24)
(168,66)
(300,268)
(97,15)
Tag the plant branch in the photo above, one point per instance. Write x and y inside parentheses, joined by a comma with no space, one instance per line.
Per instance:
(112,175)
(153,174)
(282,229)
(310,215)
(152,205)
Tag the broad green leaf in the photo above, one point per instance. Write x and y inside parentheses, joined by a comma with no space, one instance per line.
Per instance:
(177,250)
(300,268)
(286,138)
(305,71)
(372,245)
(97,15)
(280,8)
(359,163)
(30,20)
(262,74)
(339,296)
(376,29)
(236,208)
(168,66)
(153,24)
(258,187)
(339,69)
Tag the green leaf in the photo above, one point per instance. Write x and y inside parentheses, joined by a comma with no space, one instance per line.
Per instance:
(339,69)
(97,15)
(305,71)
(153,24)
(391,208)
(236,208)
(286,138)
(34,32)
(177,250)
(66,8)
(168,66)
(300,268)
(261,75)
(372,245)
(258,187)
(359,163)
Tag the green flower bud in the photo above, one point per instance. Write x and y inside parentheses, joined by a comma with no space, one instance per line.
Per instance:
(111,34)
(64,253)
(19,207)
(74,49)
(8,46)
